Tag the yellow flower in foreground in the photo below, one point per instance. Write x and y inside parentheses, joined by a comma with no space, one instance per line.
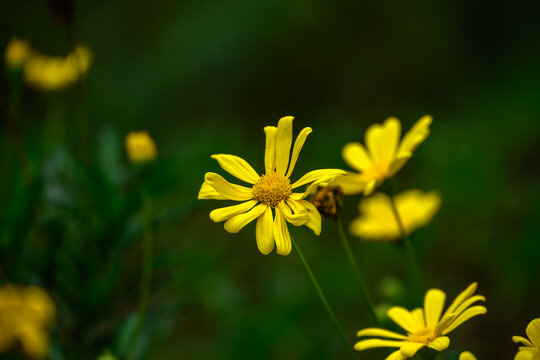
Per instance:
(531,350)
(273,190)
(17,51)
(467,355)
(140,147)
(424,327)
(51,73)
(378,222)
(384,157)
(25,315)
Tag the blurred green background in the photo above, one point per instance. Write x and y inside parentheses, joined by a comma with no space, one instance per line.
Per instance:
(204,77)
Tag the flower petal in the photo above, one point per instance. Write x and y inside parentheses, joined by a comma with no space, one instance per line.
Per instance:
(382,140)
(270,149)
(264,232)
(281,234)
(207,192)
(236,223)
(350,184)
(299,218)
(464,295)
(526,354)
(226,189)
(441,343)
(467,355)
(433,306)
(318,176)
(396,355)
(225,213)
(356,156)
(314,221)
(283,143)
(520,339)
(443,323)
(403,318)
(466,315)
(418,315)
(237,167)
(415,136)
(409,349)
(397,164)
(380,333)
(533,332)
(370,186)
(298,144)
(467,303)
(375,343)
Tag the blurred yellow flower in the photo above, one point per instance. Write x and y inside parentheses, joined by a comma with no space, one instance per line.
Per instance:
(467,355)
(25,315)
(17,52)
(424,327)
(140,147)
(377,221)
(51,73)
(384,157)
(273,190)
(531,350)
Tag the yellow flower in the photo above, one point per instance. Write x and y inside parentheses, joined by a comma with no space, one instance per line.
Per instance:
(467,355)
(378,222)
(51,73)
(25,315)
(384,157)
(17,51)
(424,327)
(531,350)
(273,190)
(140,147)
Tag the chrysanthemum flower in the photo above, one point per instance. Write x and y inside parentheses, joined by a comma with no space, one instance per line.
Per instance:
(425,327)
(140,147)
(17,51)
(25,315)
(531,348)
(384,157)
(271,191)
(467,355)
(377,221)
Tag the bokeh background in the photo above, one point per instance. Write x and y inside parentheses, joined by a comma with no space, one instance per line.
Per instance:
(204,77)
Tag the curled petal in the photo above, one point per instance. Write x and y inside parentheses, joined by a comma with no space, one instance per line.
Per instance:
(237,167)
(226,189)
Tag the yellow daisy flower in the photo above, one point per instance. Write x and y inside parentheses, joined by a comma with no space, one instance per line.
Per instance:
(424,327)
(140,147)
(272,190)
(467,355)
(377,221)
(531,350)
(384,157)
(25,315)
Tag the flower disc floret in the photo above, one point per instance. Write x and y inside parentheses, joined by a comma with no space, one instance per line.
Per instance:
(272,188)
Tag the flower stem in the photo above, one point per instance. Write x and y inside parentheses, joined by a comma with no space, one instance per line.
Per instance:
(413,261)
(352,261)
(324,300)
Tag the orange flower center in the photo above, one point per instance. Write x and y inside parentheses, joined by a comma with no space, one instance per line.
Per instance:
(271,189)
(423,336)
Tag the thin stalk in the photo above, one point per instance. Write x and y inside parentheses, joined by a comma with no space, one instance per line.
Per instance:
(413,261)
(339,329)
(352,261)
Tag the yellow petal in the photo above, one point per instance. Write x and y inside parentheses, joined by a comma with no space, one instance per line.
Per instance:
(375,343)
(299,218)
(314,220)
(298,144)
(533,332)
(443,324)
(467,303)
(418,315)
(34,341)
(281,234)
(264,232)
(520,339)
(226,189)
(350,184)
(441,343)
(380,333)
(403,318)
(382,140)
(526,354)
(433,306)
(467,355)
(370,186)
(356,156)
(318,176)
(396,355)
(283,143)
(236,223)
(225,213)
(409,349)
(464,295)
(237,167)
(207,192)
(270,149)
(397,164)
(466,315)
(414,137)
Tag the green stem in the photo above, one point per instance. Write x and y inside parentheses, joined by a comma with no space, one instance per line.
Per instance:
(413,261)
(352,261)
(324,300)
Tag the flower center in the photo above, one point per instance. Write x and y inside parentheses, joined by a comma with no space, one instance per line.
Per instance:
(271,189)
(423,336)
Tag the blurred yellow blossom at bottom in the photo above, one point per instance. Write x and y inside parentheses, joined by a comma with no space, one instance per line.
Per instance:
(140,147)
(25,315)
(531,350)
(17,51)
(467,355)
(378,222)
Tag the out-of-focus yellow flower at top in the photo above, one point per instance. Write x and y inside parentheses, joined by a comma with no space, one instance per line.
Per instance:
(377,220)
(25,316)
(425,327)
(140,147)
(17,52)
(51,73)
(531,348)
(384,157)
(273,190)
(467,355)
